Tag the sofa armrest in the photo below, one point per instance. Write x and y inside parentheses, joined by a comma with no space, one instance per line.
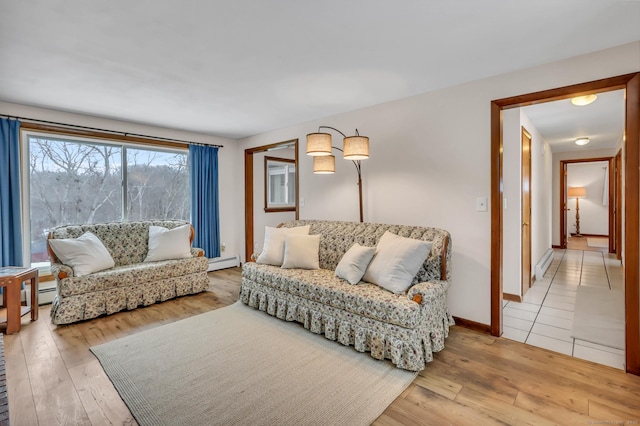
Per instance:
(424,293)
(197,252)
(61,271)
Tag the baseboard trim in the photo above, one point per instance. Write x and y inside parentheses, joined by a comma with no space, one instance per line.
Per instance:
(555,246)
(472,325)
(512,297)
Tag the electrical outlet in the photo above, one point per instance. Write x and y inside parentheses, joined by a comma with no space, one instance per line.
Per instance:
(223,246)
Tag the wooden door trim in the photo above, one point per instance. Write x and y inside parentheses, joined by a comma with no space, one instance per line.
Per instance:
(618,186)
(248,191)
(563,205)
(631,83)
(563,217)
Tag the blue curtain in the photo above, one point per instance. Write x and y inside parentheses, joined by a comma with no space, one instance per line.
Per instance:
(10,219)
(204,198)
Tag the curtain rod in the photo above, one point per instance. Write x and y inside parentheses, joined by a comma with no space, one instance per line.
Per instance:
(75,126)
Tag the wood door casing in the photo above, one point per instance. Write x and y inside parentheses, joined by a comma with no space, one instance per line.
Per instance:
(618,205)
(526,210)
(631,188)
(565,208)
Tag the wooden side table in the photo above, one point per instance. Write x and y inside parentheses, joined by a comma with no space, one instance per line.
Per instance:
(11,279)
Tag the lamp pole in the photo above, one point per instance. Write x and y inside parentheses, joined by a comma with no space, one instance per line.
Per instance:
(358,166)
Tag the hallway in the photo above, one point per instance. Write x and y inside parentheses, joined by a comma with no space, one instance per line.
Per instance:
(545,317)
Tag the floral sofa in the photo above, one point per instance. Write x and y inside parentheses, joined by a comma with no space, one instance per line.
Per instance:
(405,328)
(131,282)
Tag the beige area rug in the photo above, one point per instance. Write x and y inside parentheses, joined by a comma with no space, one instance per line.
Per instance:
(599,316)
(240,366)
(598,242)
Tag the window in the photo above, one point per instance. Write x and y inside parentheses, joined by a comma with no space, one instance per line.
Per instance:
(73,181)
(280,184)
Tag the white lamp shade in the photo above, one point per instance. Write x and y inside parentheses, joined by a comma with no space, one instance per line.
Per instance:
(324,165)
(577,192)
(356,148)
(582,141)
(318,144)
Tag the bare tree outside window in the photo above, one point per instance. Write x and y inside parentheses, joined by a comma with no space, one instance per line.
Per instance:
(75,182)
(157,185)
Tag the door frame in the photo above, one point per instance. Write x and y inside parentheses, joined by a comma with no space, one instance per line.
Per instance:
(631,146)
(618,201)
(563,189)
(248,190)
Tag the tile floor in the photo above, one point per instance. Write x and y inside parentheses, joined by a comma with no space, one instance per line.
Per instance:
(545,316)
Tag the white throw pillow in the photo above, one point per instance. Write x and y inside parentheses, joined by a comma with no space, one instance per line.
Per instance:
(273,248)
(166,244)
(396,262)
(354,263)
(85,254)
(301,251)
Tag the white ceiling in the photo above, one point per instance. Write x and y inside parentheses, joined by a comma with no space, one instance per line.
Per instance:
(561,122)
(238,68)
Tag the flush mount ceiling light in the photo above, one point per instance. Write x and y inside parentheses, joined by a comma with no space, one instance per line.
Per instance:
(583,100)
(582,141)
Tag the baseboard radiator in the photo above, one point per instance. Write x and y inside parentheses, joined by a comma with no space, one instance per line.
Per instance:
(223,262)
(544,263)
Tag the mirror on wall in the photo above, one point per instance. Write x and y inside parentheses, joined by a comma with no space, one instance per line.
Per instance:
(279,184)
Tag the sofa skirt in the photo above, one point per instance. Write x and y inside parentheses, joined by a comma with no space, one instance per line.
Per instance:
(70,309)
(407,348)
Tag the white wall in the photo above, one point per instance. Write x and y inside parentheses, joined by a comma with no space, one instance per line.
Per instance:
(261,219)
(229,185)
(512,122)
(541,178)
(594,216)
(555,209)
(512,197)
(430,159)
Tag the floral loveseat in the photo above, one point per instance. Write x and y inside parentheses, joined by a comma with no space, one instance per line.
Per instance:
(131,282)
(405,328)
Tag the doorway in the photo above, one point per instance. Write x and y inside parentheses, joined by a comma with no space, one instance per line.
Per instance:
(631,163)
(249,186)
(592,178)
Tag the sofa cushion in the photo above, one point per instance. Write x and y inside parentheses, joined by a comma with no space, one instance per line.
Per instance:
(85,254)
(273,248)
(396,262)
(165,244)
(354,263)
(323,286)
(301,251)
(131,275)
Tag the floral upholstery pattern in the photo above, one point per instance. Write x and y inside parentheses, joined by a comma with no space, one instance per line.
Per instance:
(131,282)
(364,316)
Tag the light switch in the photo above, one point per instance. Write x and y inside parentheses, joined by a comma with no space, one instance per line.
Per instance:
(481,204)
(301,201)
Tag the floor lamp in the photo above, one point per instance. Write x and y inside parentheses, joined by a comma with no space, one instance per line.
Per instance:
(577,192)
(354,148)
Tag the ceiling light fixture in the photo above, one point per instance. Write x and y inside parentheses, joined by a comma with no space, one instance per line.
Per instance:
(354,148)
(582,141)
(584,100)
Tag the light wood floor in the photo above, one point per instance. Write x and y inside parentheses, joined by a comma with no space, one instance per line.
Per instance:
(477,379)
(580,243)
